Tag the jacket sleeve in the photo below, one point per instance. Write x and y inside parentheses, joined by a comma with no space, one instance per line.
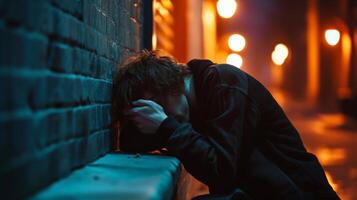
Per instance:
(210,156)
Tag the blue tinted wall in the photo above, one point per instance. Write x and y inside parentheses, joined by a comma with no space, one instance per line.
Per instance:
(57,58)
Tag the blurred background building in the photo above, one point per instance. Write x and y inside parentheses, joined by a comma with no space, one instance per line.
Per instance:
(304,51)
(285,44)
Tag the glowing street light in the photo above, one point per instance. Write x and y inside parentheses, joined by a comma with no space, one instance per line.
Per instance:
(280,54)
(236,42)
(332,36)
(235,59)
(226,8)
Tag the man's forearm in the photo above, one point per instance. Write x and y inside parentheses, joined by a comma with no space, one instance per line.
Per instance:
(207,160)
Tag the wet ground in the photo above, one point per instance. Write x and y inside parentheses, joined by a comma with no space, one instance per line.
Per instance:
(332,137)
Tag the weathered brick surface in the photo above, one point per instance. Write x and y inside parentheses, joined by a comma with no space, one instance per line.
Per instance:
(57,58)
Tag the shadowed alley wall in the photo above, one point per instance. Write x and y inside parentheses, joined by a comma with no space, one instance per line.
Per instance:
(56,63)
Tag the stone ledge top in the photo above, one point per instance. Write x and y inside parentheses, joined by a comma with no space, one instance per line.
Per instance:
(118,176)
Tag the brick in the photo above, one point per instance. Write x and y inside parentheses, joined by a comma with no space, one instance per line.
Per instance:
(103,5)
(56,64)
(105,68)
(125,5)
(102,45)
(80,33)
(15,90)
(86,11)
(17,137)
(21,48)
(61,57)
(55,159)
(100,91)
(113,50)
(99,21)
(14,10)
(81,61)
(110,14)
(51,126)
(56,126)
(49,89)
(74,7)
(90,40)
(115,10)
(91,118)
(61,24)
(66,90)
(23,12)
(122,35)
(77,31)
(63,124)
(110,28)
(44,15)
(67,26)
(89,13)
(93,63)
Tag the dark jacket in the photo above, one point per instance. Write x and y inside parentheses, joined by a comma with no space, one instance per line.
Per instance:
(239,137)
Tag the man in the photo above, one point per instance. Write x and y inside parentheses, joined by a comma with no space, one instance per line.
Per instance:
(223,125)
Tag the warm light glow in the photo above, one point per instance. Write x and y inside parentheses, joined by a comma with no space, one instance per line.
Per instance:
(313,54)
(236,42)
(331,156)
(235,59)
(332,36)
(344,90)
(280,54)
(209,30)
(226,8)
(154,41)
(332,182)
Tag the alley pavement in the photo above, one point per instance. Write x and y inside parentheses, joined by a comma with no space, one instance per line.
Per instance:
(332,137)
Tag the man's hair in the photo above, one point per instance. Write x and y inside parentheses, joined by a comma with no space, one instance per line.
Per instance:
(146,72)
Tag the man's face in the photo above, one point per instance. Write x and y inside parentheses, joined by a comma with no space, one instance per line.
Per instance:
(175,105)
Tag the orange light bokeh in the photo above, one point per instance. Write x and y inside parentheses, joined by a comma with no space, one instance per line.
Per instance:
(235,59)
(280,54)
(226,8)
(332,36)
(236,42)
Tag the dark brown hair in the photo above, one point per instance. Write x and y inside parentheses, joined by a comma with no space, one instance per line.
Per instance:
(146,72)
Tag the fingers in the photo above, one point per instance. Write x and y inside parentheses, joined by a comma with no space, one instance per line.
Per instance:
(143,102)
(135,104)
(139,110)
(142,107)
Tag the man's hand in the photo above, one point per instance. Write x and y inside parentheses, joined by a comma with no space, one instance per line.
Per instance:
(147,115)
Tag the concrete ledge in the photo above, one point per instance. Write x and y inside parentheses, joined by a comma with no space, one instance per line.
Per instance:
(119,176)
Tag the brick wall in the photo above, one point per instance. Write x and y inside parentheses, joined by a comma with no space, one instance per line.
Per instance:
(56,63)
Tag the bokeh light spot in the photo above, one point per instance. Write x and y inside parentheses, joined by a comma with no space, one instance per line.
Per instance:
(226,8)
(332,36)
(236,42)
(280,54)
(235,59)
